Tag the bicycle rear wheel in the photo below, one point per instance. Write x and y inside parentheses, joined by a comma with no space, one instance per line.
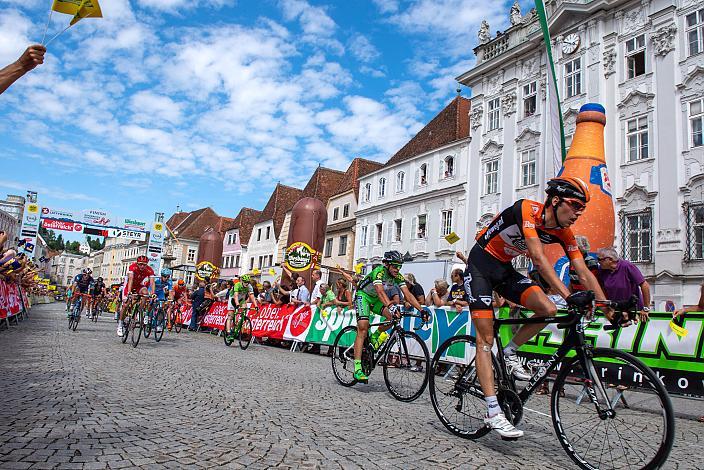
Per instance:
(177,322)
(76,315)
(136,325)
(245,336)
(455,392)
(406,366)
(147,320)
(641,430)
(160,323)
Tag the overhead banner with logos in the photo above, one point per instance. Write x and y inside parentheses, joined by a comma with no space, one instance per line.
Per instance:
(132,224)
(127,234)
(65,225)
(97,217)
(29,229)
(155,246)
(58,214)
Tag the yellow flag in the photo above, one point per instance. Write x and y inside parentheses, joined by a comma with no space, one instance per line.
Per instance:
(272,271)
(70,7)
(358,268)
(679,331)
(255,271)
(88,8)
(452,238)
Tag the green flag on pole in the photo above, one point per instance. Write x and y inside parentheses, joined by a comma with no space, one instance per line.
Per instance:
(557,130)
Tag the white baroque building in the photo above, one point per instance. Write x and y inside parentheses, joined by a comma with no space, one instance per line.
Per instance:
(419,196)
(644,62)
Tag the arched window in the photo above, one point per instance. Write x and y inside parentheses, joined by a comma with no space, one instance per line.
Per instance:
(400,182)
(423,175)
(382,187)
(367,192)
(449,166)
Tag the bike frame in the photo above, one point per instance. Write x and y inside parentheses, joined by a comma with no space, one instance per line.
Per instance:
(396,330)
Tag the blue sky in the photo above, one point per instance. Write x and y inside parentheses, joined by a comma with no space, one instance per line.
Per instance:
(162,104)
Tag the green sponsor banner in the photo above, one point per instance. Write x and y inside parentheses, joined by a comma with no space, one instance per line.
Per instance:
(678,361)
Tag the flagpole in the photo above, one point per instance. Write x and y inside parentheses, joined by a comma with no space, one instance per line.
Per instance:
(64,30)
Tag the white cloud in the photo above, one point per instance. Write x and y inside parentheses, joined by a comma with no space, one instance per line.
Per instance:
(174,5)
(14,35)
(363,49)
(150,107)
(387,6)
(318,27)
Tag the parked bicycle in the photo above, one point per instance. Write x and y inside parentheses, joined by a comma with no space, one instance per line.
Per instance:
(241,329)
(404,357)
(609,410)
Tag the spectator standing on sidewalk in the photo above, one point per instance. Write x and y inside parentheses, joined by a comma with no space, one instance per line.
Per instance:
(343,299)
(621,280)
(457,297)
(197,299)
(415,288)
(300,295)
(438,294)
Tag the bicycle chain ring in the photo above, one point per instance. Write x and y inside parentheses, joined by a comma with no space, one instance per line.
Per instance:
(511,405)
(367,358)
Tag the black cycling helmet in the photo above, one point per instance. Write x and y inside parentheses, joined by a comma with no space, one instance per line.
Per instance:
(568,187)
(393,257)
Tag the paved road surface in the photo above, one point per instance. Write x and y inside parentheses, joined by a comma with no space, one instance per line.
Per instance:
(84,400)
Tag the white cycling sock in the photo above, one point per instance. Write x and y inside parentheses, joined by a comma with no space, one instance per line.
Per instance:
(510,349)
(492,405)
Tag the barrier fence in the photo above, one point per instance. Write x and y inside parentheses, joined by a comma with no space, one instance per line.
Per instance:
(13,301)
(678,361)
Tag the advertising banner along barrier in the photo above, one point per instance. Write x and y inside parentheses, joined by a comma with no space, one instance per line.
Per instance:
(677,360)
(10,300)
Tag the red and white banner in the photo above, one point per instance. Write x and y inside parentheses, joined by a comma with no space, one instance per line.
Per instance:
(271,321)
(10,302)
(55,224)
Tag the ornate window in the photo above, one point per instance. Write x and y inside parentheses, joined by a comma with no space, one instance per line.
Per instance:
(491,177)
(635,56)
(346,210)
(527,168)
(379,233)
(449,167)
(494,114)
(637,139)
(363,236)
(423,175)
(398,226)
(694,213)
(445,223)
(342,250)
(382,187)
(400,182)
(637,235)
(328,247)
(696,118)
(573,77)
(421,229)
(530,100)
(336,213)
(367,192)
(695,32)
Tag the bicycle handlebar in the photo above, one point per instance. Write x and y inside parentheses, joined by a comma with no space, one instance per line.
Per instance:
(585,303)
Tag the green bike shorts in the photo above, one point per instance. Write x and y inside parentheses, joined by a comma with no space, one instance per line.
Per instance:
(367,306)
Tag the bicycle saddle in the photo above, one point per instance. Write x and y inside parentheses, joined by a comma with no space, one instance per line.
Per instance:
(581,299)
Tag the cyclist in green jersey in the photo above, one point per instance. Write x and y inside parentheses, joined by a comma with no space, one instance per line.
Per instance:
(241,293)
(371,299)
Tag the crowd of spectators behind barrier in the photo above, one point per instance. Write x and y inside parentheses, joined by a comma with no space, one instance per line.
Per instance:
(16,268)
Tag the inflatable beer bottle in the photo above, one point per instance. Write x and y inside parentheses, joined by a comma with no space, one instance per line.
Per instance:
(585,159)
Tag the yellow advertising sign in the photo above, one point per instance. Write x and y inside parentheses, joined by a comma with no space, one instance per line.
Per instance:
(33,208)
(299,256)
(158,226)
(358,268)
(452,238)
(51,287)
(206,269)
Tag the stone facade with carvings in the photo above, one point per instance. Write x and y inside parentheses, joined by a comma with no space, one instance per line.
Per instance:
(644,61)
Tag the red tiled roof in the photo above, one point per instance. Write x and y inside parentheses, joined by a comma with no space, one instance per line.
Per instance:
(323,183)
(358,168)
(245,221)
(195,223)
(280,202)
(450,124)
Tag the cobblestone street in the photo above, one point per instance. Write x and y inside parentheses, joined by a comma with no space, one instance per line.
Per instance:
(84,400)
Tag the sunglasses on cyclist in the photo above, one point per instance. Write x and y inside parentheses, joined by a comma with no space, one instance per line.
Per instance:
(575,204)
(396,265)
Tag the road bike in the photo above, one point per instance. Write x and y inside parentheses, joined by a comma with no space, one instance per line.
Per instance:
(609,410)
(74,316)
(134,319)
(404,357)
(242,328)
(175,320)
(155,320)
(96,309)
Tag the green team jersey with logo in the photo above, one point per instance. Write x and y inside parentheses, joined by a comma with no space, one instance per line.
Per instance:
(379,276)
(241,293)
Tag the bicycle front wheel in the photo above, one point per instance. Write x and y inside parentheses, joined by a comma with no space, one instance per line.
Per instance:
(245,336)
(160,324)
(632,426)
(136,324)
(126,328)
(406,366)
(455,392)
(177,322)
(343,356)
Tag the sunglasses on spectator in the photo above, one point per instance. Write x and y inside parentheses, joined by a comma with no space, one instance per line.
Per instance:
(575,204)
(603,258)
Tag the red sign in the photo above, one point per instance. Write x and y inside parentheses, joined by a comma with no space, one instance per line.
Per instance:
(54,224)
(10,303)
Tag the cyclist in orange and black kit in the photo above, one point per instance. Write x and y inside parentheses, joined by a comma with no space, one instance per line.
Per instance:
(522,229)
